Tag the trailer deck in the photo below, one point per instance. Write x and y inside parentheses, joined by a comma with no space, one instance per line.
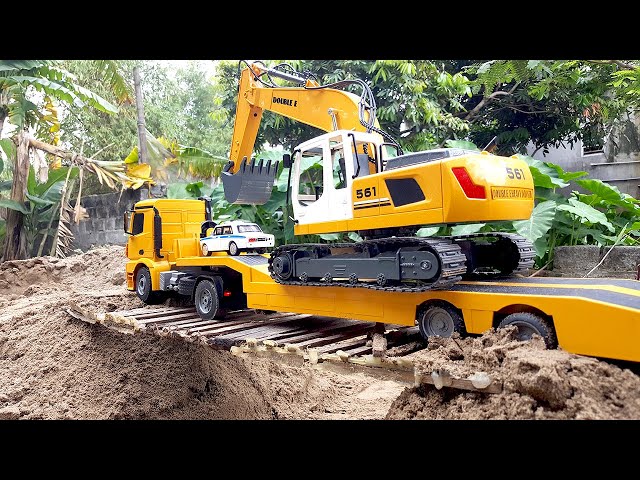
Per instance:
(595,317)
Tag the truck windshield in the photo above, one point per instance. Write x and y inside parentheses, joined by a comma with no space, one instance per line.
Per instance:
(248,228)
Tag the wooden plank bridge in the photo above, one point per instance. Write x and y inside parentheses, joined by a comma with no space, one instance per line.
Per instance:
(328,343)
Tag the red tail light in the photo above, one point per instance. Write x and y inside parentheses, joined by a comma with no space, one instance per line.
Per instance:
(252,240)
(226,293)
(470,189)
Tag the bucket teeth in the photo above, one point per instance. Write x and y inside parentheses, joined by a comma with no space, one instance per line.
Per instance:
(252,183)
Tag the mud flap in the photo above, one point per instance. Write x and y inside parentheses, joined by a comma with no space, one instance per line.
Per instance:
(251,184)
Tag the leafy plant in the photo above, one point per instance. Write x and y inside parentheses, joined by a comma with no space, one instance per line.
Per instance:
(603,217)
(42,208)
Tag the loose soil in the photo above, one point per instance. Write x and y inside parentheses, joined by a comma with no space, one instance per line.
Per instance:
(55,367)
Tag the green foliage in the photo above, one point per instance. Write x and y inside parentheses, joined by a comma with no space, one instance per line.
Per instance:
(18,77)
(603,217)
(546,102)
(42,208)
(179,103)
(9,149)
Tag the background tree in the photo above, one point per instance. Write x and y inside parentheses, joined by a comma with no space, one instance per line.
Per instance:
(27,88)
(180,106)
(425,103)
(545,102)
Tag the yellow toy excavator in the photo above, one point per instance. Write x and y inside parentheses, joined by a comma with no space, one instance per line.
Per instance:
(364,182)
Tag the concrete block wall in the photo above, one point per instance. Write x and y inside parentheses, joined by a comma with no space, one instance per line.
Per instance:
(105,225)
(577,261)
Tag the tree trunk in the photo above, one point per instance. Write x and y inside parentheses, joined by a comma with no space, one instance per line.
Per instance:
(15,247)
(4,110)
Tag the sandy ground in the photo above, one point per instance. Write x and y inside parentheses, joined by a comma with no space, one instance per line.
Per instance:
(55,367)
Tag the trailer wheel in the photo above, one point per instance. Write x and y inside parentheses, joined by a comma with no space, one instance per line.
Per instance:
(233,249)
(143,288)
(206,300)
(528,324)
(440,320)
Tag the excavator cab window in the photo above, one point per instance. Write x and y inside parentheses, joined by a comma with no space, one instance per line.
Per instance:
(311,182)
(387,151)
(339,170)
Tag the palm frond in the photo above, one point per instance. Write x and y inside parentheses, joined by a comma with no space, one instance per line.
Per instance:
(112,76)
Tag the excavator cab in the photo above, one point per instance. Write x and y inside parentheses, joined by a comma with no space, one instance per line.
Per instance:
(323,172)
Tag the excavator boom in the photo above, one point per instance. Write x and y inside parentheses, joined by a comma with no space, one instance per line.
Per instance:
(248,181)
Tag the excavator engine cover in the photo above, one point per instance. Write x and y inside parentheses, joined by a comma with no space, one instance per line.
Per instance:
(252,183)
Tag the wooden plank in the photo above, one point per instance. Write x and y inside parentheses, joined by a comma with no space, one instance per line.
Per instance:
(297,318)
(283,334)
(357,351)
(220,325)
(158,314)
(258,330)
(151,322)
(185,324)
(320,333)
(247,327)
(334,347)
(346,335)
(142,311)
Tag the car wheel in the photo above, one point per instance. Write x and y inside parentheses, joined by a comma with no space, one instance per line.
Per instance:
(143,288)
(233,249)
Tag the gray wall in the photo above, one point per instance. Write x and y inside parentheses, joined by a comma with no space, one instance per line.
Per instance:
(618,164)
(105,225)
(577,261)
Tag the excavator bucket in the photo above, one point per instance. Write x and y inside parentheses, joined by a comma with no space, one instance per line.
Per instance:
(252,183)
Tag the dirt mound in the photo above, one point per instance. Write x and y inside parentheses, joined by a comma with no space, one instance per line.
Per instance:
(537,383)
(55,367)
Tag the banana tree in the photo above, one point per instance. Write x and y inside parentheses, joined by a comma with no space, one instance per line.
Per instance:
(20,80)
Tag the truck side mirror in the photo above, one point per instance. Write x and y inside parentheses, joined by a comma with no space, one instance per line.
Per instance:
(286,160)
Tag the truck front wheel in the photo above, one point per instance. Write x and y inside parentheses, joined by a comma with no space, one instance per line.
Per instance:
(143,288)
(207,301)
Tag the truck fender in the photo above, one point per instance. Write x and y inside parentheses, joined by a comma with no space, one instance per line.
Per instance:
(217,281)
(154,268)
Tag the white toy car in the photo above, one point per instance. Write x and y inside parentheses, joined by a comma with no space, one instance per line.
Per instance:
(236,236)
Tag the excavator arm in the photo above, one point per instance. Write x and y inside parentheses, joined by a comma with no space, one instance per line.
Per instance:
(249,181)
